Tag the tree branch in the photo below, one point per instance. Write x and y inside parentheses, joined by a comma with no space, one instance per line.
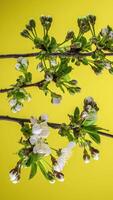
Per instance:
(37,84)
(50,124)
(67,54)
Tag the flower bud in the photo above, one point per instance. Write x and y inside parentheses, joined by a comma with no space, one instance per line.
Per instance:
(40,67)
(104,31)
(32,23)
(25,33)
(94,153)
(70,35)
(46,21)
(86,157)
(14,174)
(48,77)
(92,19)
(59,176)
(13,102)
(83,24)
(84,115)
(56,99)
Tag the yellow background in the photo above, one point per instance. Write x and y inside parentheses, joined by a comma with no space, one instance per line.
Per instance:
(93,181)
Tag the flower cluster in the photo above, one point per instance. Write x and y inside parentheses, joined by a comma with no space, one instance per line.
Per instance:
(36,149)
(37,153)
(18,94)
(40,131)
(82,129)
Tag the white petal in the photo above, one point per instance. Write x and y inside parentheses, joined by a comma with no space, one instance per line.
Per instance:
(36,129)
(18,107)
(71,145)
(12,102)
(33,139)
(57,168)
(56,100)
(44,117)
(18,66)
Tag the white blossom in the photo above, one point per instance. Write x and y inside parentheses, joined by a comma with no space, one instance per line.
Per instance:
(41,130)
(40,67)
(24,62)
(86,161)
(86,158)
(84,115)
(41,148)
(13,110)
(18,107)
(12,102)
(53,63)
(108,65)
(56,100)
(95,156)
(36,129)
(49,77)
(65,155)
(33,139)
(104,31)
(18,66)
(44,117)
(33,120)
(14,178)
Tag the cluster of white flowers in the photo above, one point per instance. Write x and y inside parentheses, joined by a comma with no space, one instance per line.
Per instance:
(15,107)
(16,104)
(40,131)
(22,63)
(62,159)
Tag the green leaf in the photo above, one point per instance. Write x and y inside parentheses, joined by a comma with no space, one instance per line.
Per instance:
(33,170)
(28,77)
(88,122)
(94,136)
(43,170)
(76,114)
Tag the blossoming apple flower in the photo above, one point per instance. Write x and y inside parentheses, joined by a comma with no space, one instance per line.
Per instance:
(21,61)
(65,155)
(40,131)
(17,108)
(12,102)
(41,148)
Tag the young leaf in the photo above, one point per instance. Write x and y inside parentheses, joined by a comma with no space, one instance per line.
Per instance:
(76,114)
(43,170)
(33,170)
(94,136)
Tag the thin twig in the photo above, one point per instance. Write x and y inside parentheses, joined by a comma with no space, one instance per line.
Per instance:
(37,84)
(50,124)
